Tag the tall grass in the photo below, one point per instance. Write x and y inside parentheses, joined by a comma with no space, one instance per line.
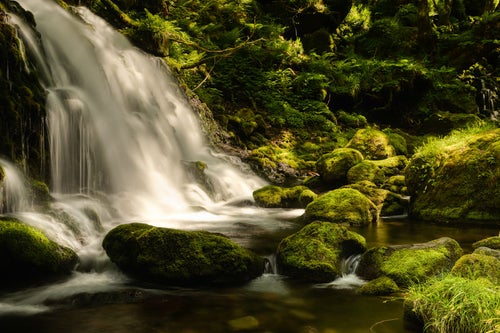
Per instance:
(455,304)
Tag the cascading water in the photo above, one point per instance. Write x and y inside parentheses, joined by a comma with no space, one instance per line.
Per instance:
(120,134)
(13,196)
(348,278)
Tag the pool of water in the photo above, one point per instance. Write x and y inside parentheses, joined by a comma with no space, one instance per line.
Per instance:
(270,303)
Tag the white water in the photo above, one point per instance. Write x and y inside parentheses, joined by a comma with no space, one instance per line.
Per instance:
(13,196)
(120,133)
(348,278)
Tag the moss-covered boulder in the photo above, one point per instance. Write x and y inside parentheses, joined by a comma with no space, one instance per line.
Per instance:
(333,167)
(391,166)
(372,143)
(314,253)
(343,206)
(396,184)
(490,242)
(455,179)
(366,170)
(170,256)
(378,287)
(475,265)
(28,257)
(272,196)
(407,264)
(487,252)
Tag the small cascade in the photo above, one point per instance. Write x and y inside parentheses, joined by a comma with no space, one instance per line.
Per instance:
(13,193)
(270,265)
(489,98)
(348,278)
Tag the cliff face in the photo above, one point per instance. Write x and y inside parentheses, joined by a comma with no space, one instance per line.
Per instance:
(22,99)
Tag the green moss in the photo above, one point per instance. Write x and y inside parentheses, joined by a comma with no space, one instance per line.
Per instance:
(491,242)
(380,286)
(333,167)
(314,253)
(272,196)
(366,170)
(372,143)
(28,256)
(182,257)
(345,206)
(474,265)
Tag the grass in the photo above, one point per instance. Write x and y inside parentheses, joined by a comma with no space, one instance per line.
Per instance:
(455,304)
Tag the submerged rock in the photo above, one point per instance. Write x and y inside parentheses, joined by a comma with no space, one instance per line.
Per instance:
(171,256)
(272,196)
(344,206)
(380,286)
(27,256)
(315,252)
(406,264)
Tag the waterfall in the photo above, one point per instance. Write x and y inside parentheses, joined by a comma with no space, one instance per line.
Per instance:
(348,278)
(118,124)
(13,193)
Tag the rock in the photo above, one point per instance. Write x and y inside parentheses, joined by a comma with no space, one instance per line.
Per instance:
(170,256)
(314,253)
(281,197)
(457,182)
(333,167)
(27,256)
(487,252)
(490,242)
(392,166)
(246,323)
(441,123)
(378,287)
(372,143)
(475,265)
(365,170)
(406,264)
(344,206)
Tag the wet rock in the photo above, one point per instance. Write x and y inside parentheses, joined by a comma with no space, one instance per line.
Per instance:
(380,286)
(246,323)
(372,143)
(406,264)
(27,256)
(314,253)
(170,256)
(281,197)
(343,206)
(333,167)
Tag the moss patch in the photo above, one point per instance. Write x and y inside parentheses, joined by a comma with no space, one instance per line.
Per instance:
(314,253)
(280,197)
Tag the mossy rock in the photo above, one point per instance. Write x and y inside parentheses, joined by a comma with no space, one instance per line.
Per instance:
(372,143)
(366,170)
(408,264)
(487,252)
(379,287)
(314,253)
(272,196)
(343,206)
(391,166)
(457,182)
(475,265)
(333,167)
(170,256)
(387,202)
(28,257)
(490,242)
(396,184)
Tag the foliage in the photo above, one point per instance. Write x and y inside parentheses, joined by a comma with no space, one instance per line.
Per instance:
(456,304)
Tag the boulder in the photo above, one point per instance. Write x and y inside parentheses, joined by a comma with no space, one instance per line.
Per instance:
(372,143)
(407,264)
(476,265)
(456,181)
(333,167)
(272,196)
(314,253)
(379,287)
(490,242)
(343,206)
(171,256)
(28,257)
(365,170)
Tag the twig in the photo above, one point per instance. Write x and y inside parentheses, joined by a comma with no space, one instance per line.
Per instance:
(381,322)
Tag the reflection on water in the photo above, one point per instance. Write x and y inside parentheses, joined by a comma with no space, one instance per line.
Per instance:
(270,303)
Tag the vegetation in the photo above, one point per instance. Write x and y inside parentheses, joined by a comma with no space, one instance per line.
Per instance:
(455,304)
